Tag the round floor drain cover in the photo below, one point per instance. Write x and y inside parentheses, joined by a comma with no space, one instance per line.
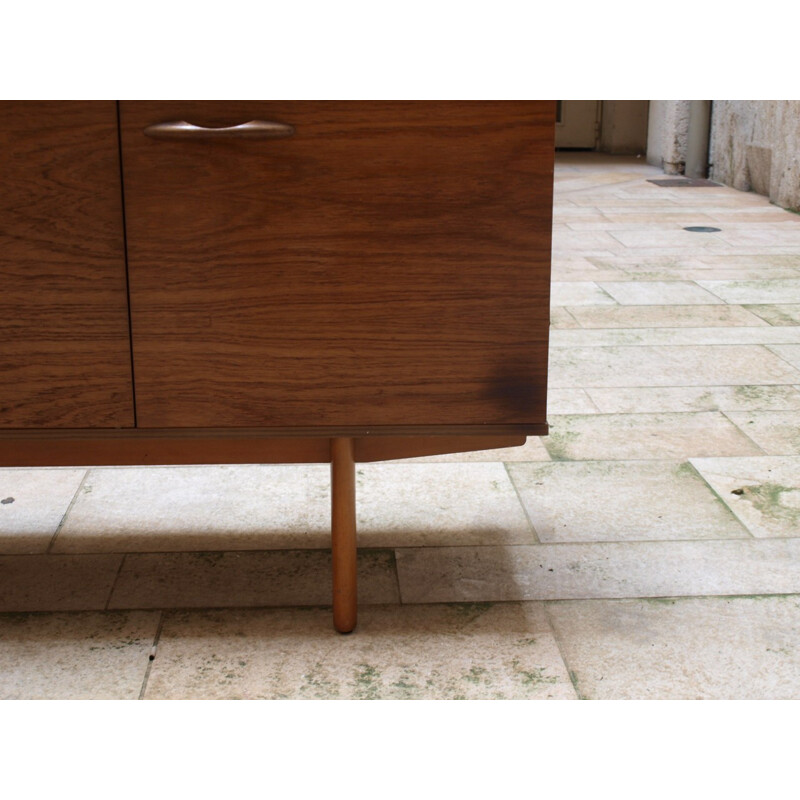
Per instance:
(702,229)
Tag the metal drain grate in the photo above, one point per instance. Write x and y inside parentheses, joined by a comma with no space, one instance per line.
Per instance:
(684,182)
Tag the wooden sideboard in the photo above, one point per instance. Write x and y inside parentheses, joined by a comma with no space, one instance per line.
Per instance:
(273,282)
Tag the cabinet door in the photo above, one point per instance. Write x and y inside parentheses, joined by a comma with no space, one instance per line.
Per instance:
(64,338)
(387,264)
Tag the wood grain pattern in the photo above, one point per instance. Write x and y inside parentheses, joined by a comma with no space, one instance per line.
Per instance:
(386,265)
(64,338)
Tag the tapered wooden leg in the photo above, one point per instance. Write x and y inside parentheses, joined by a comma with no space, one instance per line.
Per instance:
(343,534)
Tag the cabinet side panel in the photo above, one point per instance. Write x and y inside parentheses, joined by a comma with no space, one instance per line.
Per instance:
(64,336)
(388,264)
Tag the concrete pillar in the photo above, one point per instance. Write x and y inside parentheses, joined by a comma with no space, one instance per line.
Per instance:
(667,131)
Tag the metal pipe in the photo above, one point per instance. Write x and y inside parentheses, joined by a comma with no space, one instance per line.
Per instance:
(697,139)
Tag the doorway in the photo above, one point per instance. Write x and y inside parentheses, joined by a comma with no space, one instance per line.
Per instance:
(577,124)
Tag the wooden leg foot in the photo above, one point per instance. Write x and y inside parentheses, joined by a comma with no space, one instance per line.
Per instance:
(343,534)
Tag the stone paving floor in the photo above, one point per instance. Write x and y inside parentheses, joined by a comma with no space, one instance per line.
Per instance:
(648,548)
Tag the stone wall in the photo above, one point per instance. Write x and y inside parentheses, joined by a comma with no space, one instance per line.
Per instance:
(755,146)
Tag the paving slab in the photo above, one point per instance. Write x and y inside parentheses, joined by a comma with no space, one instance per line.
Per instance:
(588,275)
(764,493)
(586,570)
(656,365)
(226,507)
(612,501)
(708,273)
(660,240)
(78,656)
(663,316)
(783,314)
(578,293)
(788,352)
(438,504)
(752,260)
(777,433)
(659,293)
(663,262)
(755,292)
(241,579)
(441,652)
(695,398)
(33,503)
(57,582)
(675,216)
(751,215)
(688,337)
(583,240)
(674,436)
(569,401)
(560,317)
(713,648)
(784,234)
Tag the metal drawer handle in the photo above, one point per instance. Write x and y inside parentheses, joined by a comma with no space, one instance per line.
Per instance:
(255,129)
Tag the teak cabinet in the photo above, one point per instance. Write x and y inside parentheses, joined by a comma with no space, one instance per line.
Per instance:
(273,281)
